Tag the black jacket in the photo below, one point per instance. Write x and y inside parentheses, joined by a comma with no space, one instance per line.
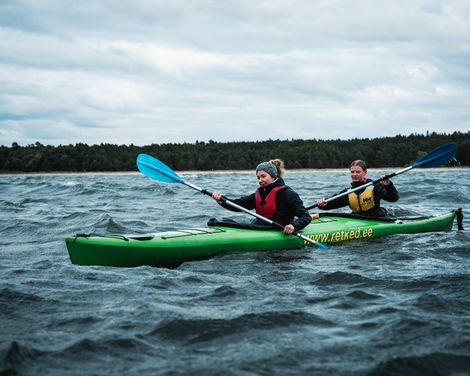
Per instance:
(289,206)
(381,192)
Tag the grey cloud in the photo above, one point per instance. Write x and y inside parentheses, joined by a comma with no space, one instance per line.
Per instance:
(237,70)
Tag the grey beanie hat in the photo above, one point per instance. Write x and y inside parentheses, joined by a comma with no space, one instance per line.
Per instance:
(268,167)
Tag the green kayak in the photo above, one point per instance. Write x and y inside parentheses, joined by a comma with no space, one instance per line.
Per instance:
(169,249)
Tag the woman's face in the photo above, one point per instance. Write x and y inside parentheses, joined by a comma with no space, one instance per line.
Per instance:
(264,178)
(357,173)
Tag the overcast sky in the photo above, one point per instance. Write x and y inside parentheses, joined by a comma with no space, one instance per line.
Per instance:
(148,71)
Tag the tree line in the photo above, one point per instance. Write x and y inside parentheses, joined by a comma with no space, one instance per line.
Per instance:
(394,151)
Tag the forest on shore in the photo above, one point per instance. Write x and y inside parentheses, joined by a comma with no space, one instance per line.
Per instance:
(397,151)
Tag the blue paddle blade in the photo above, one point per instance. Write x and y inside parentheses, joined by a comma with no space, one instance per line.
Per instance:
(157,170)
(438,157)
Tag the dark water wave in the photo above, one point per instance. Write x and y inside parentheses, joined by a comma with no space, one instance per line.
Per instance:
(387,306)
(194,331)
(435,364)
(18,355)
(343,278)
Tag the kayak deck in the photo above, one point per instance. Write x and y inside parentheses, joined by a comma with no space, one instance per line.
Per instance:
(171,248)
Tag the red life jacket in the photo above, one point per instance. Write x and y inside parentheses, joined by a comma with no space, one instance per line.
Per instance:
(267,208)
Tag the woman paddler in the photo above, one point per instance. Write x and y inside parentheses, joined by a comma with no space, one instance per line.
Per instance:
(363,201)
(273,199)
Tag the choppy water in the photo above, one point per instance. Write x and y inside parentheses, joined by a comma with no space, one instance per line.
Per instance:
(396,305)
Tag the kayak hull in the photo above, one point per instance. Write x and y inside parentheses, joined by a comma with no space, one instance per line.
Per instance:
(169,249)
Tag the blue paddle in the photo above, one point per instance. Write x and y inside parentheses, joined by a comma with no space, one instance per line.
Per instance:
(157,170)
(435,158)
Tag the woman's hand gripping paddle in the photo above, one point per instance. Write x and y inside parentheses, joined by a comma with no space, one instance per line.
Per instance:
(157,170)
(435,158)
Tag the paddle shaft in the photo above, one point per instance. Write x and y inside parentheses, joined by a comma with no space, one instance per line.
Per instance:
(437,157)
(363,186)
(241,208)
(157,170)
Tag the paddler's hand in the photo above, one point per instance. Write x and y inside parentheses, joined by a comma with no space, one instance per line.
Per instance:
(384,182)
(321,202)
(289,229)
(217,196)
